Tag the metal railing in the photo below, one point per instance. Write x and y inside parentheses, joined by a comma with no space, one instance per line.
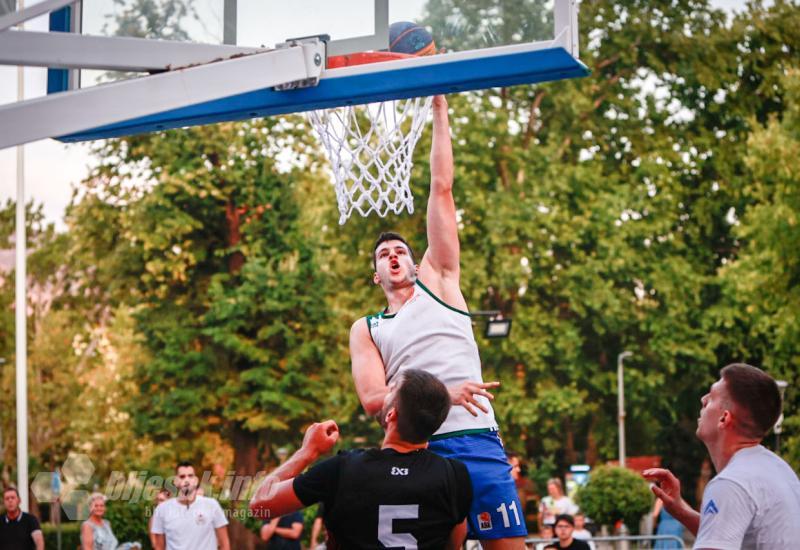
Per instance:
(623,540)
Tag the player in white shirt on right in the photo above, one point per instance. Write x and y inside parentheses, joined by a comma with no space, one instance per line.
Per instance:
(754,501)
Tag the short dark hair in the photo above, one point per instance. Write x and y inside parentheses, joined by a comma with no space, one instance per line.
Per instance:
(422,403)
(10,488)
(565,517)
(184,464)
(756,392)
(389,236)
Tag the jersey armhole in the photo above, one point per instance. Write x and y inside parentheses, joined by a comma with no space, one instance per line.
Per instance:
(430,293)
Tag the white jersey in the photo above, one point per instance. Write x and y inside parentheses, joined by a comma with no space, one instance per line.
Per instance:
(429,335)
(754,502)
(190,527)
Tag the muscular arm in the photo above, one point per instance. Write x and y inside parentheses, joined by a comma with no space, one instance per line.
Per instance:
(159,541)
(367,368)
(440,267)
(275,496)
(457,536)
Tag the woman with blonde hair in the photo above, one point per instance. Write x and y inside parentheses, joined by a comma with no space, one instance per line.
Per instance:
(555,503)
(96,533)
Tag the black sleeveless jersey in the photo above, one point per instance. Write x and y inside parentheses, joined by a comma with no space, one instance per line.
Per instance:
(380,498)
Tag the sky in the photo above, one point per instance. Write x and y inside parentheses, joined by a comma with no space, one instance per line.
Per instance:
(52,169)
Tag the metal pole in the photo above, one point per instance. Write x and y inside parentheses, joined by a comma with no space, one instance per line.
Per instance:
(778,429)
(621,405)
(21,314)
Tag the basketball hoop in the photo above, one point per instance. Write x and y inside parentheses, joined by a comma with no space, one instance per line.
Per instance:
(370,147)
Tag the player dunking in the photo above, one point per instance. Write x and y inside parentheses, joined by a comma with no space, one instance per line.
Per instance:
(426,326)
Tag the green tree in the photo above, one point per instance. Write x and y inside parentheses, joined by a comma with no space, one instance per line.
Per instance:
(762,284)
(614,494)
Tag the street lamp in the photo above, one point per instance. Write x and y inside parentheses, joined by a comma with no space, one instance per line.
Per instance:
(621,405)
(778,429)
(497,326)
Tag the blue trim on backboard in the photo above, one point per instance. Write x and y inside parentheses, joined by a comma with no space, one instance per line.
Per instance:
(58,79)
(461,75)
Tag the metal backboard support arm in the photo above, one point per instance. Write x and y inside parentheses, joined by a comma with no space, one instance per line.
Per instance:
(79,110)
(566,17)
(110,53)
(16,17)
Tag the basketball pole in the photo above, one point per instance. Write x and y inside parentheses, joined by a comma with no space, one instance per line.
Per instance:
(21,343)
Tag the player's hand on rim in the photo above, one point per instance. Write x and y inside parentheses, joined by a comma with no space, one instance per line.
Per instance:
(320,437)
(464,394)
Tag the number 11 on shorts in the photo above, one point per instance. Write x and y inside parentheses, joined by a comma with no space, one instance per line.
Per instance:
(504,511)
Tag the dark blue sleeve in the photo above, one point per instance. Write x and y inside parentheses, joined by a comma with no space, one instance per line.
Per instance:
(289,519)
(319,484)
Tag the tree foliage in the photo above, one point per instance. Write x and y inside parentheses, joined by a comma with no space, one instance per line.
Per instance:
(204,289)
(614,494)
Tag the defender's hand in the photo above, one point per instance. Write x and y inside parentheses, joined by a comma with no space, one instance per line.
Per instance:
(464,394)
(666,486)
(321,437)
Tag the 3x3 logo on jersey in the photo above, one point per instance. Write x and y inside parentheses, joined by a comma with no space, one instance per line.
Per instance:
(399,471)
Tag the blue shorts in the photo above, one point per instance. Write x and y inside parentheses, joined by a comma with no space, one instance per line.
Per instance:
(496,512)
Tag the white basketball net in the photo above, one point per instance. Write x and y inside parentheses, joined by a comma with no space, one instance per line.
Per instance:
(370,148)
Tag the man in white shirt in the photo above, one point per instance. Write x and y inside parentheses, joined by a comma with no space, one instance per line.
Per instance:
(754,501)
(189,521)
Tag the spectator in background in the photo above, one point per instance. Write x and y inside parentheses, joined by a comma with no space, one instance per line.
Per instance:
(96,533)
(283,533)
(565,529)
(318,534)
(18,530)
(667,525)
(526,488)
(162,496)
(555,503)
(546,532)
(189,521)
(581,532)
(754,500)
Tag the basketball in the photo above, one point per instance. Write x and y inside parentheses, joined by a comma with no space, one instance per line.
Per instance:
(408,37)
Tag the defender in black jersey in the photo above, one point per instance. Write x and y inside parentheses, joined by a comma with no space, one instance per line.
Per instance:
(398,496)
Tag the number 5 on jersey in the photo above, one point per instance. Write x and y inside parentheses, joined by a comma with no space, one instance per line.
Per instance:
(386,516)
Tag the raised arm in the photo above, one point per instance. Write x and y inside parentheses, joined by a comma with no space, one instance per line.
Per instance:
(275,496)
(367,368)
(443,254)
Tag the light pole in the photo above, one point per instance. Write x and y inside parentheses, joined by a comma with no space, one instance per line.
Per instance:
(621,405)
(778,429)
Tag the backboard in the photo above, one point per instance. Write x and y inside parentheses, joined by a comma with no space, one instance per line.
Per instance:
(174,63)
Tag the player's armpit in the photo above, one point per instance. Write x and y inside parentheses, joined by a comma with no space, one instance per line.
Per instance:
(367,368)
(457,536)
(282,500)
